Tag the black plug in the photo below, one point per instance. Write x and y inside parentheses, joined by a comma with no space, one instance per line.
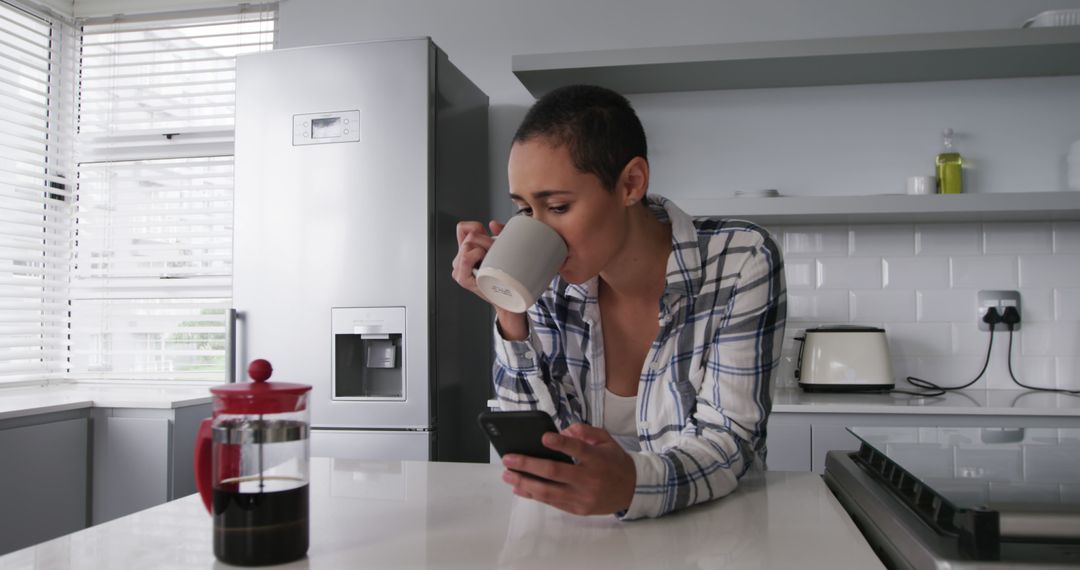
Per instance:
(991,317)
(1010,317)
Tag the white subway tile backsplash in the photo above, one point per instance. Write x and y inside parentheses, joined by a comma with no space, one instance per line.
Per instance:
(901,368)
(1066,304)
(985,272)
(821,306)
(968,339)
(1067,372)
(948,239)
(916,273)
(882,240)
(1050,271)
(949,371)
(1037,305)
(882,306)
(849,273)
(946,306)
(1036,339)
(1003,238)
(920,282)
(800,273)
(1064,337)
(1035,371)
(919,339)
(1066,237)
(815,240)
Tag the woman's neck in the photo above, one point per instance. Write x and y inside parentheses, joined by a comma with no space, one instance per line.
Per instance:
(638,270)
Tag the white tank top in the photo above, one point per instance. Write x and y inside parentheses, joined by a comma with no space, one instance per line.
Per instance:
(619,414)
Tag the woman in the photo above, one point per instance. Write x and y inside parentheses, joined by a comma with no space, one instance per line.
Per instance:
(655,347)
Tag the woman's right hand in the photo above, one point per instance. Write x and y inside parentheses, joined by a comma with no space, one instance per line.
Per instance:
(473,244)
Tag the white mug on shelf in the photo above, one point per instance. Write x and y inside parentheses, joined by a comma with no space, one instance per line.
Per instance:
(921,185)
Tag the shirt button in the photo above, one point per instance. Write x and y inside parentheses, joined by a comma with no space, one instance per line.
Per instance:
(655,366)
(527,354)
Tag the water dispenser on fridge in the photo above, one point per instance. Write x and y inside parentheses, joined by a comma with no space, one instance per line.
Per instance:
(367,353)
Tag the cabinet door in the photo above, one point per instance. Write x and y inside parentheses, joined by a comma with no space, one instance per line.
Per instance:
(829,438)
(135,466)
(43,483)
(789,447)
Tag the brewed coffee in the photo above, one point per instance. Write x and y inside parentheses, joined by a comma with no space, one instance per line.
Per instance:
(256,529)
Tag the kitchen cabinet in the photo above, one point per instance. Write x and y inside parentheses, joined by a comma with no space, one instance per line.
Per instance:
(142,457)
(789,445)
(76,455)
(983,54)
(43,481)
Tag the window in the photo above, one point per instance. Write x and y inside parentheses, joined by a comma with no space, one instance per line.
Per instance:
(153,207)
(36,105)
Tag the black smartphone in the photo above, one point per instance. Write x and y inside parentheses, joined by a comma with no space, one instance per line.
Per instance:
(520,432)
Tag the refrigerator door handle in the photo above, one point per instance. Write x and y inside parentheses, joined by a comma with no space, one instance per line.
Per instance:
(231,316)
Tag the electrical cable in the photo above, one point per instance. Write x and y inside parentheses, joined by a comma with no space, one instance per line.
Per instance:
(991,318)
(1010,318)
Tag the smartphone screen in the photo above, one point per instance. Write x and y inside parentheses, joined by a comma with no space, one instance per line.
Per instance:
(520,432)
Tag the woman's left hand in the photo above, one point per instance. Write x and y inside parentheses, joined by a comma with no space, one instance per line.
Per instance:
(601,482)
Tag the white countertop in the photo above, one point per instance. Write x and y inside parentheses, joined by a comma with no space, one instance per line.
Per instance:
(457,515)
(965,402)
(17,402)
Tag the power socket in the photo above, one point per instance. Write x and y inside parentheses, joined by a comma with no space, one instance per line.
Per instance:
(999,300)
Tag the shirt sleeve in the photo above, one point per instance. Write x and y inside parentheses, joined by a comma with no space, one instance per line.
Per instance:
(522,372)
(727,429)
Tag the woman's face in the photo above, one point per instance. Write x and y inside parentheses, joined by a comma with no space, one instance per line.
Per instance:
(545,184)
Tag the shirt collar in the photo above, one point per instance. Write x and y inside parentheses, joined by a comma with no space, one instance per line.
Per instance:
(683,267)
(684,264)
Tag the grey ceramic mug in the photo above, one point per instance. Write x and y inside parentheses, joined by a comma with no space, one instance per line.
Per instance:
(521,263)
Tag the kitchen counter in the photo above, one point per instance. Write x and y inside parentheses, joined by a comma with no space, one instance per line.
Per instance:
(456,515)
(803,427)
(18,402)
(963,402)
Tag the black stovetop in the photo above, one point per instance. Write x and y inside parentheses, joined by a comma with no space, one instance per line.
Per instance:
(988,468)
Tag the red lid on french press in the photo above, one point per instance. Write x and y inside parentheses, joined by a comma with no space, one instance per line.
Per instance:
(259,396)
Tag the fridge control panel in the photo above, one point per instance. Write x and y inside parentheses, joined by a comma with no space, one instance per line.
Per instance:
(322,128)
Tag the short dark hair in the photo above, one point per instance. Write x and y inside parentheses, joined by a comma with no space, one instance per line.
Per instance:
(598,126)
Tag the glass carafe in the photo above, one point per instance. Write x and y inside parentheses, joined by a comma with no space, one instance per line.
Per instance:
(251,468)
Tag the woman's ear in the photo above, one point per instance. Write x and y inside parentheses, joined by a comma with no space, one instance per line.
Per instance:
(634,181)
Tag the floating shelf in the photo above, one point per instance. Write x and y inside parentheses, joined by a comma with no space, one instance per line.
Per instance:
(943,56)
(898,208)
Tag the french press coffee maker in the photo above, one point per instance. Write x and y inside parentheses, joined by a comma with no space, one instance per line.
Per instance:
(251,468)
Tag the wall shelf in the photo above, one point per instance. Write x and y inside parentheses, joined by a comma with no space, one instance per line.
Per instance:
(941,56)
(892,208)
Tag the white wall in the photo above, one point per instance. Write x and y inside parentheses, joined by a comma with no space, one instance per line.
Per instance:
(810,141)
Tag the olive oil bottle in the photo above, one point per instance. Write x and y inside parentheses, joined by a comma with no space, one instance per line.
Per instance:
(950,171)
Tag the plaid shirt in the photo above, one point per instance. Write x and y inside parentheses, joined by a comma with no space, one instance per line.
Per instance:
(704,395)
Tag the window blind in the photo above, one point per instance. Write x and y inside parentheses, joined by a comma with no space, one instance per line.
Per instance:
(153,251)
(36,101)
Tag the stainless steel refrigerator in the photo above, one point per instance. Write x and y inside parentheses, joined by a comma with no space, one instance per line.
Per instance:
(353,164)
